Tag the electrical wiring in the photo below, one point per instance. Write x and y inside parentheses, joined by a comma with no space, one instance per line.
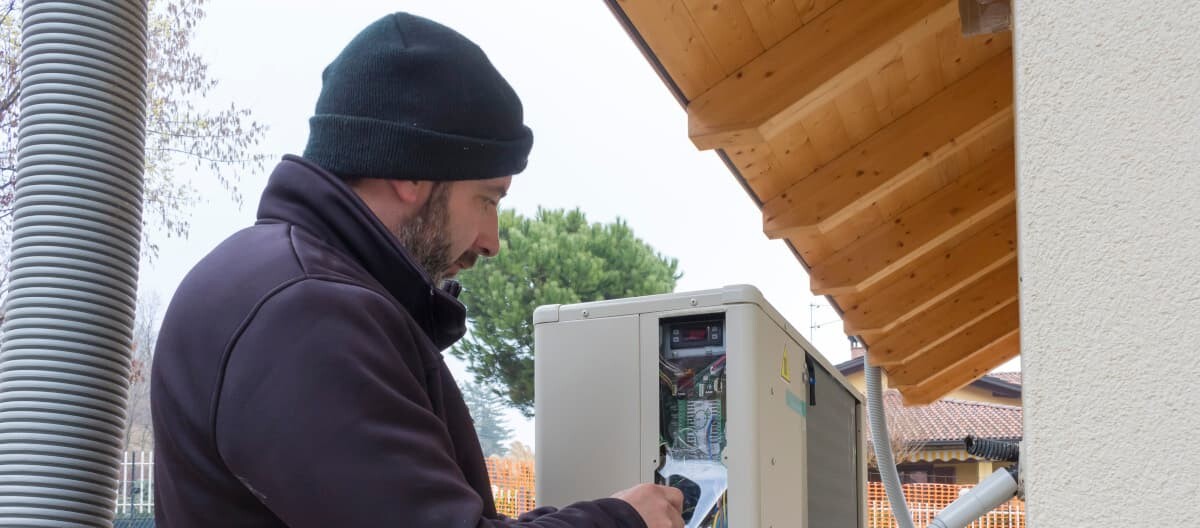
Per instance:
(692,399)
(717,365)
(667,381)
(711,437)
(723,513)
(684,448)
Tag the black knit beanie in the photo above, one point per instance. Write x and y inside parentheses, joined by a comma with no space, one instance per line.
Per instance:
(411,99)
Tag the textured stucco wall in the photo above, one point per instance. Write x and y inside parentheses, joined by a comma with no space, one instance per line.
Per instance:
(1108,138)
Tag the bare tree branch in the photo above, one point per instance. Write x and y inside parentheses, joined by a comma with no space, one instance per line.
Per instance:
(139,425)
(10,99)
(191,136)
(193,154)
(187,130)
(12,6)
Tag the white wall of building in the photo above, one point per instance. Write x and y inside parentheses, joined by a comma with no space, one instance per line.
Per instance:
(1108,138)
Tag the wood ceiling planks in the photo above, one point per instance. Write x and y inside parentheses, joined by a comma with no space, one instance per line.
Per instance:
(879,141)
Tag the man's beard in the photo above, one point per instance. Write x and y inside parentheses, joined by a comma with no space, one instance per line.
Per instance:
(426,235)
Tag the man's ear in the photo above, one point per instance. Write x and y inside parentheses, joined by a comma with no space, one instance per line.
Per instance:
(411,192)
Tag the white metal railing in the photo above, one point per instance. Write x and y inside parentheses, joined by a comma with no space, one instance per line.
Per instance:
(135,489)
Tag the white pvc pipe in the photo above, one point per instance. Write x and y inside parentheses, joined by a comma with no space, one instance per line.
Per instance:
(992,492)
(883,445)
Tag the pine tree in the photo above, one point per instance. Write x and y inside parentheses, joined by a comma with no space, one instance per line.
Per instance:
(557,257)
(487,410)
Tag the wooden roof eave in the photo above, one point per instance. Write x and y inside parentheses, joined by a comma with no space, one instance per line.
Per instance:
(877,141)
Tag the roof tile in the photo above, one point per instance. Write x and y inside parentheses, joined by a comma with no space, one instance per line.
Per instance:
(949,420)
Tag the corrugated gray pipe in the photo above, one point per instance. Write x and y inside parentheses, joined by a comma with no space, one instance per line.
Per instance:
(68,317)
(883,445)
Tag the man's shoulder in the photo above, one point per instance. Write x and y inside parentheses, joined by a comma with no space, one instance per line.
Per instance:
(255,257)
(319,259)
(272,255)
(279,267)
(226,284)
(269,258)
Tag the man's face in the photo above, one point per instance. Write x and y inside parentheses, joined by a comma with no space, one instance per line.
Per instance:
(456,225)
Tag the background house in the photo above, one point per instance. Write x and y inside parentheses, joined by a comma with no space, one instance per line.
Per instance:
(928,439)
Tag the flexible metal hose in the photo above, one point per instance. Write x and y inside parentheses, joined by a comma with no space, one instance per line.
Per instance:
(68,317)
(992,449)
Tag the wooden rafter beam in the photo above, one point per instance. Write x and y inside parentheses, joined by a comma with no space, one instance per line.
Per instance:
(943,218)
(953,315)
(938,129)
(844,44)
(932,279)
(964,371)
(969,337)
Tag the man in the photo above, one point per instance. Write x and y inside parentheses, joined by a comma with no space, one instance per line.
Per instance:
(299,380)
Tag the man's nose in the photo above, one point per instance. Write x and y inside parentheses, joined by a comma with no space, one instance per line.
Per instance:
(488,246)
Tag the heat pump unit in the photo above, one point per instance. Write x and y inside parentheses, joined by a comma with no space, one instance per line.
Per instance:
(712,392)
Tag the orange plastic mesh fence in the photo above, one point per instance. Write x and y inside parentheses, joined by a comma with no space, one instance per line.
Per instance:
(512,485)
(513,488)
(925,501)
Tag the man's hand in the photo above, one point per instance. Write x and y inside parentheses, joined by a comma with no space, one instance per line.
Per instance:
(659,506)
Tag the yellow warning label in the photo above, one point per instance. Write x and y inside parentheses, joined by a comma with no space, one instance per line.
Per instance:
(783,370)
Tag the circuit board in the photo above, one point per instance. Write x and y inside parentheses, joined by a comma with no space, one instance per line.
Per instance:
(693,424)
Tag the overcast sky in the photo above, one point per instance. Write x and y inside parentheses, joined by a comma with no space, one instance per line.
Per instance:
(609,137)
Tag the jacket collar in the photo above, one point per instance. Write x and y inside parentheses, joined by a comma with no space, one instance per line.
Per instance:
(302,194)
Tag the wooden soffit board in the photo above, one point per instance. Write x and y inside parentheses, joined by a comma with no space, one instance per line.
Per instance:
(877,140)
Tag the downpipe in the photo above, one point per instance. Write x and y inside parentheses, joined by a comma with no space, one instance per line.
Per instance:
(881,441)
